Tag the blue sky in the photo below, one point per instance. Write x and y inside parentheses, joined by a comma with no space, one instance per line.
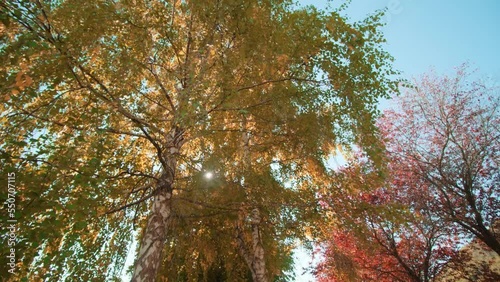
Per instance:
(441,33)
(425,34)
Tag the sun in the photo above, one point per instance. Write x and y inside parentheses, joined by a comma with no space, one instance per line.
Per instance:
(209,175)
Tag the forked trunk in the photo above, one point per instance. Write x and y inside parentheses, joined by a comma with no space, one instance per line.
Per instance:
(150,253)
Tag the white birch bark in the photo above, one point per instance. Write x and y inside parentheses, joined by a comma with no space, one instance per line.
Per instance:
(254,256)
(150,252)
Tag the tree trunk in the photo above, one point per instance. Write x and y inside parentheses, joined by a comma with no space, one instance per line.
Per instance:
(259,263)
(150,253)
(488,238)
(254,257)
(485,235)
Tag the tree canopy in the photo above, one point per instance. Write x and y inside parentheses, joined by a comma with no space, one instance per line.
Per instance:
(113,111)
(438,193)
(447,135)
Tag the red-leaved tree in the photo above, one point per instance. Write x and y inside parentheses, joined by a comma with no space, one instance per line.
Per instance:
(441,187)
(389,235)
(446,134)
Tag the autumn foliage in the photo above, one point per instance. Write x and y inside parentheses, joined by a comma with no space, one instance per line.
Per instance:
(440,189)
(113,111)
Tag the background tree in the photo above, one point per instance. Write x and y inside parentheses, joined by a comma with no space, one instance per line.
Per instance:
(439,190)
(390,234)
(113,109)
(447,134)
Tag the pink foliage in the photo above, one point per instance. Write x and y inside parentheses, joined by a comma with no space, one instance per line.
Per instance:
(443,156)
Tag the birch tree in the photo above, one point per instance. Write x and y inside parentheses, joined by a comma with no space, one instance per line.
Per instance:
(113,110)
